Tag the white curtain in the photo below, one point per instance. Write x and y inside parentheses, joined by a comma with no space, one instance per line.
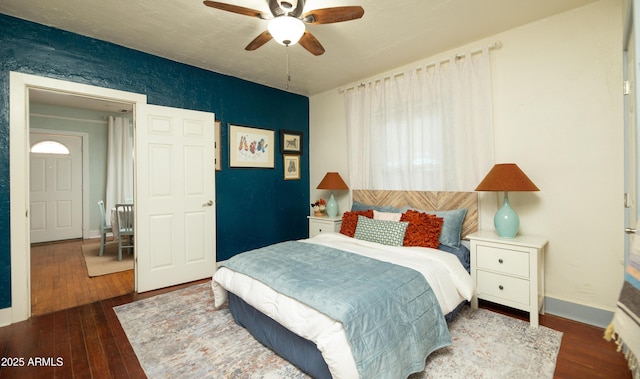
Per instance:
(119,162)
(429,128)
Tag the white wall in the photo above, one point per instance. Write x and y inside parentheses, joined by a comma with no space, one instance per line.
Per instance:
(328,145)
(558,114)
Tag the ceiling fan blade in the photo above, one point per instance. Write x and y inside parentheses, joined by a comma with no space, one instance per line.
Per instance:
(311,43)
(331,15)
(260,40)
(236,9)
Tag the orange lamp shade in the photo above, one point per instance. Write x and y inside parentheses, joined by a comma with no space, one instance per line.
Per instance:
(332,181)
(506,177)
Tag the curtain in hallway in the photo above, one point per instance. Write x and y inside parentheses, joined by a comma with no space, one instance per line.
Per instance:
(119,162)
(428,128)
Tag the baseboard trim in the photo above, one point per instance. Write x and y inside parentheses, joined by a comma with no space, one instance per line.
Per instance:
(578,312)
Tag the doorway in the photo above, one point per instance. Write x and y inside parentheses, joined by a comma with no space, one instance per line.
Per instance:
(174,219)
(20,86)
(174,180)
(68,138)
(56,185)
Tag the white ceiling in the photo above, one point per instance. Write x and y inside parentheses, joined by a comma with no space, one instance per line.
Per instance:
(390,34)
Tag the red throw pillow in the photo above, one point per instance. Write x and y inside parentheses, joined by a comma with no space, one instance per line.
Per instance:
(423,229)
(350,221)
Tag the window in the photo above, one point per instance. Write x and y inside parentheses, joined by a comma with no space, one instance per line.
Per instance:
(50,147)
(424,129)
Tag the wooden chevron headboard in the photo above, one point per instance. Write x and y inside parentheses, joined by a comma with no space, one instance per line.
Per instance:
(430,201)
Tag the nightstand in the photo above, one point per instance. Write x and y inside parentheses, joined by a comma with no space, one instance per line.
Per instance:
(509,271)
(319,225)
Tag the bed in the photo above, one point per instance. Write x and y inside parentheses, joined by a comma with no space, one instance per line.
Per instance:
(393,302)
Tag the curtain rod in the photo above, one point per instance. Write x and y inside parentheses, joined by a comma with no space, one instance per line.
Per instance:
(495,45)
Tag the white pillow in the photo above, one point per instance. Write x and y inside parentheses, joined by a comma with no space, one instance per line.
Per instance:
(386,216)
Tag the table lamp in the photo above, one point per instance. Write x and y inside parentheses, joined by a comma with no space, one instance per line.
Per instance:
(332,181)
(506,177)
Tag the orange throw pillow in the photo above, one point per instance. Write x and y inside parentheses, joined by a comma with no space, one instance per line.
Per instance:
(423,230)
(350,221)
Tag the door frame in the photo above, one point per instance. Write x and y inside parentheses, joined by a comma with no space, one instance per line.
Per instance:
(85,170)
(19,86)
(631,123)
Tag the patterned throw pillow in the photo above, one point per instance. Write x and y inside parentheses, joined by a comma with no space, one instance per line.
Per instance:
(385,232)
(423,230)
(350,220)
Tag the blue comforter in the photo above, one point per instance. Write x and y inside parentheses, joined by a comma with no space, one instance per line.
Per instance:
(391,317)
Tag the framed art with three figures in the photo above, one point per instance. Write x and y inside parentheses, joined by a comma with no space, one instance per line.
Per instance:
(251,147)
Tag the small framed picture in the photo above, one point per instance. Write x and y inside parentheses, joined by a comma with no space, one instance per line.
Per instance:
(251,147)
(217,145)
(290,142)
(291,166)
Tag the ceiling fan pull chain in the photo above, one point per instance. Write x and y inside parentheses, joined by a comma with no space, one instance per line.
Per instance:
(288,74)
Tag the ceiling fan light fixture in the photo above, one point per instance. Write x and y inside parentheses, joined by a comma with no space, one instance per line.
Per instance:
(286,30)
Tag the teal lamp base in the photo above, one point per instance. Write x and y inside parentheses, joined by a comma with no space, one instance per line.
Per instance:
(506,220)
(332,207)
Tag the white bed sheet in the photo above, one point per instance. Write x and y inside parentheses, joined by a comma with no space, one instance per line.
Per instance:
(449,280)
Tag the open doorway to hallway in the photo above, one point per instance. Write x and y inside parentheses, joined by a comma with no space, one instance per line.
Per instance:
(60,278)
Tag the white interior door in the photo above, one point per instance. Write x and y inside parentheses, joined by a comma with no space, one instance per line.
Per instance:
(175,197)
(55,182)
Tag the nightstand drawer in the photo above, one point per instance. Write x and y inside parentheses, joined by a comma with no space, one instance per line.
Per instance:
(319,225)
(512,262)
(504,287)
(317,228)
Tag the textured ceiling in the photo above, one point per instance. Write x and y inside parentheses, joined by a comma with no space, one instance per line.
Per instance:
(390,34)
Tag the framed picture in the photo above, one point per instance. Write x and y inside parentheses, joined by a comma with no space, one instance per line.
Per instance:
(251,147)
(291,166)
(290,142)
(217,145)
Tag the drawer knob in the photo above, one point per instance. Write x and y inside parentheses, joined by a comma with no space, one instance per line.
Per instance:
(501,287)
(500,261)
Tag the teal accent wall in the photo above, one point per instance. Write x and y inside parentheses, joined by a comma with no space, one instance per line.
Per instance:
(255,207)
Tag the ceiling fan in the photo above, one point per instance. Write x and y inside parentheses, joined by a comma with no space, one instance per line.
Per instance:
(287,22)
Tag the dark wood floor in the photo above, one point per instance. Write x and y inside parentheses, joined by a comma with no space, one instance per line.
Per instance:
(87,341)
(59,278)
(584,353)
(81,342)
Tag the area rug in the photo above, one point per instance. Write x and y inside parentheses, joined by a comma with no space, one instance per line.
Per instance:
(107,263)
(180,335)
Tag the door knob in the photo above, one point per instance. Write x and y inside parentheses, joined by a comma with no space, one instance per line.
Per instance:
(629,230)
(208,203)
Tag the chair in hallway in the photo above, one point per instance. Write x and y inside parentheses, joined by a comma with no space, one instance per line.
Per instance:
(104,228)
(124,213)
